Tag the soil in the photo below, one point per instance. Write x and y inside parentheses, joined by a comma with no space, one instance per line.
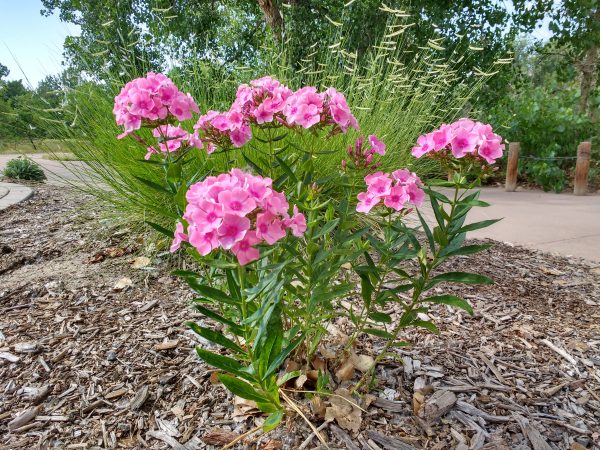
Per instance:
(94,353)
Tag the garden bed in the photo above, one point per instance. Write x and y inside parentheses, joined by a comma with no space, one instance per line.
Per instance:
(94,348)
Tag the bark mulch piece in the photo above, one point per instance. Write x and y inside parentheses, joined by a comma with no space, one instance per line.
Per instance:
(94,353)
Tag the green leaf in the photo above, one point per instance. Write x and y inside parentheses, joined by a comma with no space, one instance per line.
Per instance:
(478,225)
(273,421)
(461,277)
(210,292)
(379,333)
(366,289)
(254,165)
(467,250)
(427,325)
(287,169)
(279,359)
(174,172)
(450,300)
(427,231)
(161,229)
(241,388)
(222,362)
(475,203)
(218,318)
(328,227)
(288,376)
(153,185)
(380,317)
(216,337)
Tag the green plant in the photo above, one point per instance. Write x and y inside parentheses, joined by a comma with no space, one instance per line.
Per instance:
(24,169)
(273,291)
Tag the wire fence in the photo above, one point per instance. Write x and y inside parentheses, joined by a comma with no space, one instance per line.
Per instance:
(552,158)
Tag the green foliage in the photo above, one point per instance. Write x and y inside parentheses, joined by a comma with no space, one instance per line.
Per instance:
(24,169)
(540,111)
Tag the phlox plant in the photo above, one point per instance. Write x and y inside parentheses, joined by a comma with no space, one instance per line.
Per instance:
(274,238)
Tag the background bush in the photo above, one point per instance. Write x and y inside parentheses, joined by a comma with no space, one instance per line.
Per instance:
(24,169)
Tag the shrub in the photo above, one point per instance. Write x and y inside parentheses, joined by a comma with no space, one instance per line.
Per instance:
(24,169)
(273,242)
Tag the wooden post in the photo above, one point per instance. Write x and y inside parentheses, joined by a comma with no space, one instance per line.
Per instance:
(512,166)
(581,169)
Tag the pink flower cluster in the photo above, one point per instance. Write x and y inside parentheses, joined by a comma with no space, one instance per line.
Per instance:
(235,211)
(267,101)
(171,138)
(306,107)
(151,99)
(461,138)
(396,189)
(361,156)
(262,101)
(223,130)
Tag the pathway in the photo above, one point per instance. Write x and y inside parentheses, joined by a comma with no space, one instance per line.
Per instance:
(557,223)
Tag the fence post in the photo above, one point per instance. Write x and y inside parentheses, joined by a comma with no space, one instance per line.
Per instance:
(581,169)
(512,166)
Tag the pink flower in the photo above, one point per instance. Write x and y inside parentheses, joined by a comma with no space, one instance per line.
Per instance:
(244,250)
(396,191)
(377,146)
(204,241)
(144,101)
(179,237)
(297,223)
(232,230)
(236,201)
(378,184)
(269,228)
(366,201)
(238,208)
(415,194)
(425,145)
(464,142)
(490,150)
(396,198)
(442,137)
(463,137)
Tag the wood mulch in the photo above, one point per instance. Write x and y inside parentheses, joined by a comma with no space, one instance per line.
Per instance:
(94,353)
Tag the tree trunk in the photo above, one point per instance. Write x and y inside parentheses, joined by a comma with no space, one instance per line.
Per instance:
(273,17)
(587,67)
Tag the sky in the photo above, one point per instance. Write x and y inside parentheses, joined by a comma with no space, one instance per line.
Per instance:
(31,41)
(31,45)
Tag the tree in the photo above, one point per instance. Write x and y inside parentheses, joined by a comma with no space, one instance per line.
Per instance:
(3,71)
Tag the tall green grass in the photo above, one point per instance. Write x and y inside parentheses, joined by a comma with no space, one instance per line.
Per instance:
(392,98)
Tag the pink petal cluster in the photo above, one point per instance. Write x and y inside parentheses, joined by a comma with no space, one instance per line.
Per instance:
(306,108)
(361,156)
(170,139)
(395,189)
(461,138)
(151,99)
(222,129)
(236,211)
(262,101)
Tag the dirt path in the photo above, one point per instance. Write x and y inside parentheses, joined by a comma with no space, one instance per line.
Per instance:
(97,350)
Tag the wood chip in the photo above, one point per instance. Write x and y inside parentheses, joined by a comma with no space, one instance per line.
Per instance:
(24,418)
(534,436)
(437,405)
(389,443)
(140,398)
(167,345)
(9,357)
(219,436)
